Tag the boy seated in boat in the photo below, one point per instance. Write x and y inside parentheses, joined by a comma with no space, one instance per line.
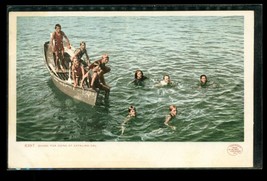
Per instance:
(77,72)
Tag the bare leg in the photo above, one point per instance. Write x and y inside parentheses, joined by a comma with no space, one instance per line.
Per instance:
(61,63)
(106,89)
(76,81)
(88,80)
(101,75)
(57,61)
(54,58)
(85,79)
(101,78)
(63,59)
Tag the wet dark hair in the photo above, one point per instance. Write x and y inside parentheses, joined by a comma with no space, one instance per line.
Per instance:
(57,25)
(166,75)
(203,76)
(172,107)
(135,75)
(131,108)
(203,83)
(82,43)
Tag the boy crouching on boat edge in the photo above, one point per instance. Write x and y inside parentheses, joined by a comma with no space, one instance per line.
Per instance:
(96,83)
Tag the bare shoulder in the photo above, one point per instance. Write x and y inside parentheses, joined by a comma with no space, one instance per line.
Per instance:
(62,33)
(168,118)
(53,34)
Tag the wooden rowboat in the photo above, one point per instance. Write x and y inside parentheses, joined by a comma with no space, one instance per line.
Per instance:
(62,80)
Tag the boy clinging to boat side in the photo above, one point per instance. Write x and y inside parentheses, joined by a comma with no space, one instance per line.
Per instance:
(170,116)
(56,43)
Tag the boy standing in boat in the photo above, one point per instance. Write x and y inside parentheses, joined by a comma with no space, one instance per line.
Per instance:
(79,52)
(56,42)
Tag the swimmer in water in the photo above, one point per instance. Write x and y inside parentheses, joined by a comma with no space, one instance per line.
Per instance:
(170,116)
(165,82)
(139,78)
(203,80)
(131,114)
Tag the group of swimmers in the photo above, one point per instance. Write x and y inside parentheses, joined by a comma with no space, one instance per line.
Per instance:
(82,72)
(139,78)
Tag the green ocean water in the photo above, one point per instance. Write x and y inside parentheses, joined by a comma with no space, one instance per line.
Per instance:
(182,46)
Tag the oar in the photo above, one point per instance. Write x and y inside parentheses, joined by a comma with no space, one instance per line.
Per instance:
(69,79)
(52,68)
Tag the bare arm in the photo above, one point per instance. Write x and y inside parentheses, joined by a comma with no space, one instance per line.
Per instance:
(123,124)
(52,41)
(167,120)
(65,36)
(76,53)
(87,57)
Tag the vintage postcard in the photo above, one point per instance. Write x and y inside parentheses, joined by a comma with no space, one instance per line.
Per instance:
(130,89)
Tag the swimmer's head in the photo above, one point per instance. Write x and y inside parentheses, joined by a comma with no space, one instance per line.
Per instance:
(166,79)
(138,74)
(132,111)
(173,110)
(203,79)
(105,57)
(83,45)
